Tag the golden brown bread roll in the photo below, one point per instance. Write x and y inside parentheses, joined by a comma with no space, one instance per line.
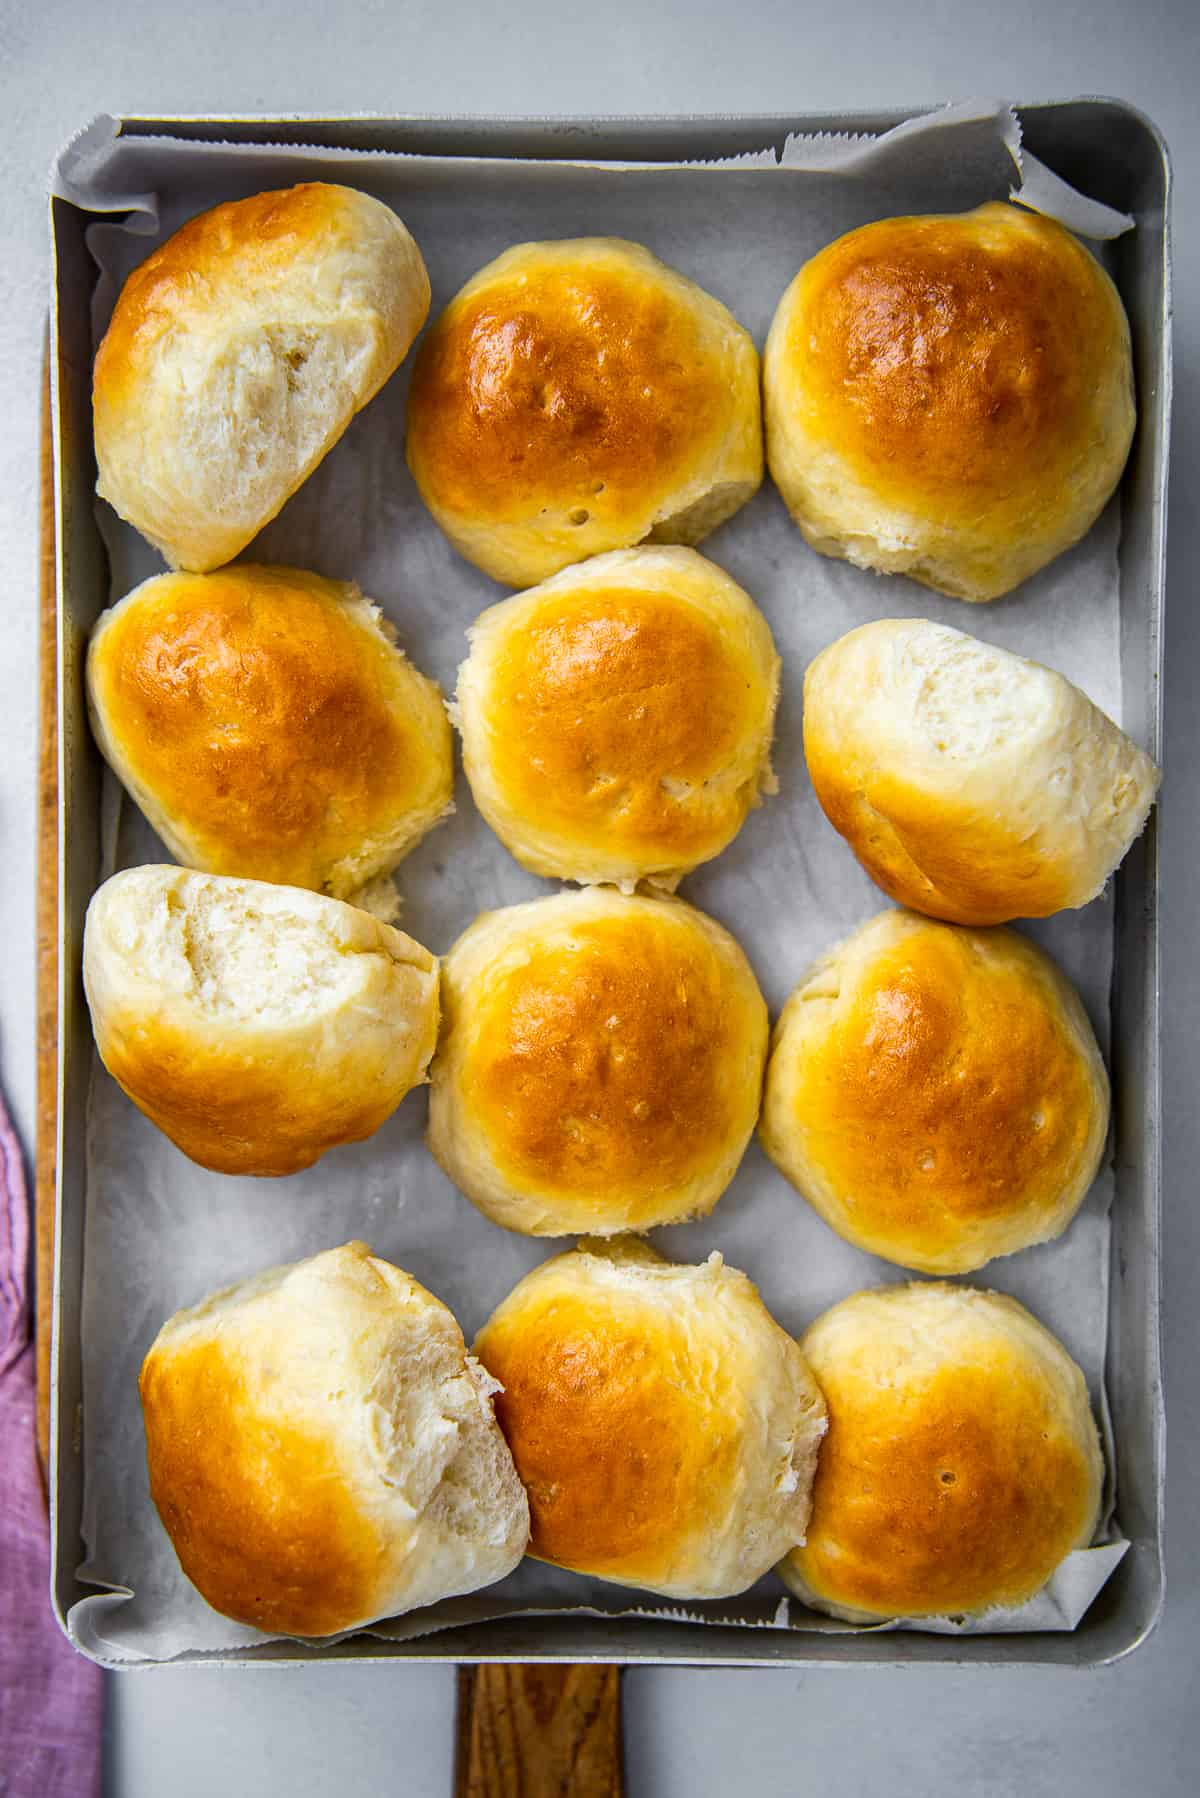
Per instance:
(616,720)
(971,784)
(581,396)
(268,727)
(665,1426)
(600,1063)
(323,1451)
(936,1094)
(962,1461)
(256,1025)
(238,353)
(949,397)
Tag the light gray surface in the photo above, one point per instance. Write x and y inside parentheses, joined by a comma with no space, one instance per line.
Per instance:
(373,1730)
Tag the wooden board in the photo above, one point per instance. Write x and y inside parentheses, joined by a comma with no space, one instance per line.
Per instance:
(539,1732)
(46,1145)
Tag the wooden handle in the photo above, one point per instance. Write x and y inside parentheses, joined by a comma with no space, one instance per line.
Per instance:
(539,1732)
(46,1149)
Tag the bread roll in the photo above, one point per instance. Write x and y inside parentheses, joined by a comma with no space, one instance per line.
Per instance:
(256,1025)
(962,1462)
(950,397)
(665,1426)
(936,1093)
(581,396)
(322,1449)
(616,720)
(600,1063)
(268,727)
(238,353)
(970,783)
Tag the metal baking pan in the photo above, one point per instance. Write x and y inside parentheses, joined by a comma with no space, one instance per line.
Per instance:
(1113,153)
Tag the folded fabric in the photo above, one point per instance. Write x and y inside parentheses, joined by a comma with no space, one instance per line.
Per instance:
(50,1697)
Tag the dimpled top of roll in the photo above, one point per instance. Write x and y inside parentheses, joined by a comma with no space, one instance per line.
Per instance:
(617,719)
(600,1063)
(581,396)
(267,725)
(962,1462)
(322,1450)
(237,354)
(936,1093)
(972,785)
(665,1426)
(950,397)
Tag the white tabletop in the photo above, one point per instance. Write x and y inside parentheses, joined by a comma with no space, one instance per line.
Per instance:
(366,1730)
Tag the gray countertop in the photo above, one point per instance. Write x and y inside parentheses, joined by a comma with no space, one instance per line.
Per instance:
(355,1730)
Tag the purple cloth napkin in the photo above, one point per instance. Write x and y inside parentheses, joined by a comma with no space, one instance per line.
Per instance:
(50,1697)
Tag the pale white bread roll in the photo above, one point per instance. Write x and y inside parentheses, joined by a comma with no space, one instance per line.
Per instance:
(323,1451)
(268,726)
(238,353)
(665,1426)
(616,720)
(580,396)
(970,783)
(256,1025)
(962,1462)
(949,397)
(936,1093)
(600,1063)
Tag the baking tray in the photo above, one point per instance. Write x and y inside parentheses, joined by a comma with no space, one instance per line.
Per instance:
(1116,155)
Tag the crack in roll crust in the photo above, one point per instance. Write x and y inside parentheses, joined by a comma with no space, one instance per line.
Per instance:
(238,353)
(950,397)
(936,1094)
(962,1462)
(971,784)
(257,1026)
(666,1428)
(580,396)
(323,1451)
(599,1066)
(617,720)
(267,725)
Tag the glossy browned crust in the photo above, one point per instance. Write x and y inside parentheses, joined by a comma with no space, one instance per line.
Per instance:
(600,699)
(950,371)
(948,1085)
(276,731)
(951,863)
(238,1109)
(262,236)
(258,1510)
(573,382)
(945,1495)
(570,1105)
(947,1077)
(621,1455)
